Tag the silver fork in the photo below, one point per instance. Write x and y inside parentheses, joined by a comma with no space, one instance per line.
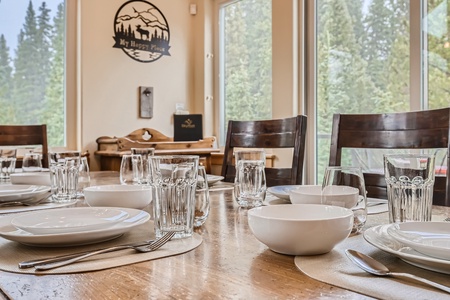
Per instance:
(147,248)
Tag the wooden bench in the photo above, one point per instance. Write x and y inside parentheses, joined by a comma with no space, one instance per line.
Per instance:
(111,149)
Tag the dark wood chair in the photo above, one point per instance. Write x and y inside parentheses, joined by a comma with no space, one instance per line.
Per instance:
(25,135)
(428,129)
(280,133)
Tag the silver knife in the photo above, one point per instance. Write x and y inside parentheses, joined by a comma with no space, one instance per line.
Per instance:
(36,262)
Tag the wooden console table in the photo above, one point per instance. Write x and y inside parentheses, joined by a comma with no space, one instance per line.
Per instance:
(111,149)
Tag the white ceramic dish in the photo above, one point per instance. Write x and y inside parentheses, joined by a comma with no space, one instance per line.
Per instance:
(380,238)
(300,229)
(281,191)
(66,220)
(337,195)
(212,179)
(31,178)
(117,195)
(9,232)
(19,193)
(429,238)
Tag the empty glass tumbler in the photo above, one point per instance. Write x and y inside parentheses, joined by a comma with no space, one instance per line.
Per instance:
(131,169)
(174,181)
(7,163)
(250,180)
(32,162)
(410,183)
(201,198)
(145,153)
(64,170)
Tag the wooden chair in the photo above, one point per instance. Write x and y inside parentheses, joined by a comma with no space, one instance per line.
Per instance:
(427,129)
(280,133)
(24,135)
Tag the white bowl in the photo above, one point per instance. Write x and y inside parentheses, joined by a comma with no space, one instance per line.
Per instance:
(130,196)
(338,195)
(32,178)
(300,229)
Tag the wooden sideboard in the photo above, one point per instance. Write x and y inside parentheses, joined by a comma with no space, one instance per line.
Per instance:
(111,149)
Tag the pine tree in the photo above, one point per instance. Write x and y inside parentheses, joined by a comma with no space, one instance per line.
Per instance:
(5,80)
(54,113)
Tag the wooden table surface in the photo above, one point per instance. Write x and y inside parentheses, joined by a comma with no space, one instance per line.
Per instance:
(229,264)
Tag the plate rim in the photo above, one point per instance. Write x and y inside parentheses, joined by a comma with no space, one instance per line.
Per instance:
(418,260)
(7,231)
(120,214)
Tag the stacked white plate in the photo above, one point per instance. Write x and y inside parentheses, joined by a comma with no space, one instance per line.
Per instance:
(25,194)
(70,226)
(423,244)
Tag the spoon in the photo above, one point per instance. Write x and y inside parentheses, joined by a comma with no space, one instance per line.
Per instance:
(374,267)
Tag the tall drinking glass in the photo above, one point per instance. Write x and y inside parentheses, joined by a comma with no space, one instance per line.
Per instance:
(145,153)
(345,187)
(174,180)
(131,169)
(64,170)
(410,182)
(250,180)
(7,162)
(201,198)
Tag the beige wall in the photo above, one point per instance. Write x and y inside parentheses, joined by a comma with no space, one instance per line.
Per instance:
(109,79)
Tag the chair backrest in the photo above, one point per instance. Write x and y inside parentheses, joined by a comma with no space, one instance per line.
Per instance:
(23,135)
(279,133)
(428,129)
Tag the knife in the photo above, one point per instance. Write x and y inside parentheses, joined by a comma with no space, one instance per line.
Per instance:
(40,261)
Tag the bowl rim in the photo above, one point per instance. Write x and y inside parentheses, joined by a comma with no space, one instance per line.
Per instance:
(314,192)
(127,189)
(253,212)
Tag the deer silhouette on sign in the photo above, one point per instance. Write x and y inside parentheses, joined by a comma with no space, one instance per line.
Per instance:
(143,32)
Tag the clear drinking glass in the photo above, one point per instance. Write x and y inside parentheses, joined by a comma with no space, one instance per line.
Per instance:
(201,198)
(7,163)
(345,187)
(64,170)
(84,177)
(145,153)
(32,162)
(131,169)
(250,180)
(174,180)
(410,183)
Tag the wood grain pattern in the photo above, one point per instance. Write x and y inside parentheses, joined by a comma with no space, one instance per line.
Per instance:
(230,264)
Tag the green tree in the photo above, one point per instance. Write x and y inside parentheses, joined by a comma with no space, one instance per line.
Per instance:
(5,80)
(53,115)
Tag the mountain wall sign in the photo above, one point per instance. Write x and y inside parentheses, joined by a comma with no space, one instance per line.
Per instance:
(141,31)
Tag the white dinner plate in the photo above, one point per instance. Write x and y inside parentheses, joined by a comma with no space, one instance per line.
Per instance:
(9,232)
(36,178)
(212,179)
(281,191)
(65,220)
(429,238)
(380,238)
(17,193)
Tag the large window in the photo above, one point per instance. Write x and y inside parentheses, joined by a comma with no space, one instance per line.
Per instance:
(375,56)
(245,67)
(32,65)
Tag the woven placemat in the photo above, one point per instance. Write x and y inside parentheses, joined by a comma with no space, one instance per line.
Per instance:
(11,253)
(336,269)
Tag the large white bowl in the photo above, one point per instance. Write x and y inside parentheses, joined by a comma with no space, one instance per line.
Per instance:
(32,178)
(338,195)
(300,229)
(130,196)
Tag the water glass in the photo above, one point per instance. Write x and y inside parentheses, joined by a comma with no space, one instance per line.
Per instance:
(7,163)
(32,162)
(131,169)
(250,180)
(410,182)
(345,187)
(64,170)
(201,198)
(145,153)
(174,180)
(84,178)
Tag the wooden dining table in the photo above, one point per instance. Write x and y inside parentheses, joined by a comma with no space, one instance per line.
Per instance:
(229,264)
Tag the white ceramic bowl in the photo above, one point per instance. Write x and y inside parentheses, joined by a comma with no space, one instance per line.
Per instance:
(32,178)
(129,196)
(338,195)
(300,229)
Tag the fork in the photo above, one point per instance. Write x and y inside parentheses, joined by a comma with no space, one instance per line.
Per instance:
(143,249)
